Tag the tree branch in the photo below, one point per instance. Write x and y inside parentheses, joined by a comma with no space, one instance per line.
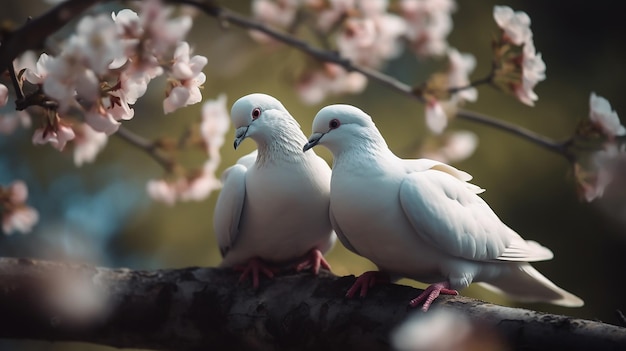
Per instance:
(206,309)
(33,34)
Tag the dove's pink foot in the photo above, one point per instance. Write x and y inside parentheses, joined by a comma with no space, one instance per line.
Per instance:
(313,259)
(431,293)
(254,267)
(366,281)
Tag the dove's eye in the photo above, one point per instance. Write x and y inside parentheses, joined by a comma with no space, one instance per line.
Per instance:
(334,124)
(256,113)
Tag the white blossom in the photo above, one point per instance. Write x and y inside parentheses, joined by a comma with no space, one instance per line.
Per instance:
(604,117)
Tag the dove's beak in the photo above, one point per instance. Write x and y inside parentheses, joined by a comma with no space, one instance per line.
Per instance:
(313,140)
(240,134)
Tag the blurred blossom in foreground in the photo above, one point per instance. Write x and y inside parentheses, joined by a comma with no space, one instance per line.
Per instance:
(519,66)
(16,215)
(197,184)
(443,330)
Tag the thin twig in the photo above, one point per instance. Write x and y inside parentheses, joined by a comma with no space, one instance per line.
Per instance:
(543,141)
(146,145)
(486,80)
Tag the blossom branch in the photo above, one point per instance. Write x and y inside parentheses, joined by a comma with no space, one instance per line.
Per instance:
(486,80)
(149,147)
(229,16)
(205,308)
(545,142)
(35,32)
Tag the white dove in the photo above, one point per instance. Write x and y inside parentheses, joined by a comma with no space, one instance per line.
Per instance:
(420,219)
(273,208)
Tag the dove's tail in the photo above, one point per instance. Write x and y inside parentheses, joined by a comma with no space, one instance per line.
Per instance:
(524,283)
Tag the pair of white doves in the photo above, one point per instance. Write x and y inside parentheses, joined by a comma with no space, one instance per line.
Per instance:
(418,218)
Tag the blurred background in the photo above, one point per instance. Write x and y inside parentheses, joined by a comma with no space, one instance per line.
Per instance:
(100,213)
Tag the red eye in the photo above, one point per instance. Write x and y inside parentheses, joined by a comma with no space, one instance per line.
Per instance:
(334,124)
(256,113)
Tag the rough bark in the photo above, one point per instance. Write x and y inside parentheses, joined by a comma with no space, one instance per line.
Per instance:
(205,308)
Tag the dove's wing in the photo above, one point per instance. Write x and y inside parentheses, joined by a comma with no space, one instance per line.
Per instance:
(423,164)
(344,240)
(229,206)
(447,213)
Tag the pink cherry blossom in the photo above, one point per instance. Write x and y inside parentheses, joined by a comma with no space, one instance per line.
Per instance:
(455,147)
(459,69)
(9,118)
(604,117)
(596,173)
(87,144)
(215,124)
(533,71)
(428,24)
(10,121)
(201,186)
(16,215)
(161,32)
(101,120)
(331,12)
(196,187)
(97,39)
(67,78)
(57,134)
(116,104)
(22,220)
(187,72)
(516,30)
(372,39)
(331,79)
(163,191)
(38,73)
(516,25)
(4,95)
(278,13)
(436,118)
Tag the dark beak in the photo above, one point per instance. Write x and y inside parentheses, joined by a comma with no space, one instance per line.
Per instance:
(313,140)
(240,134)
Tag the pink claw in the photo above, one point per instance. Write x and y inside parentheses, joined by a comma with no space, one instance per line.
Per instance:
(254,267)
(313,259)
(366,281)
(431,293)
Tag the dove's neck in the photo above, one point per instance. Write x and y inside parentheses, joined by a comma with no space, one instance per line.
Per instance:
(284,144)
(369,154)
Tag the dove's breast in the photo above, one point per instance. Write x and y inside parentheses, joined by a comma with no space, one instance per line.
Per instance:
(368,213)
(286,212)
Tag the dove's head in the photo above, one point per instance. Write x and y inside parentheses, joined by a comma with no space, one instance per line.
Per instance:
(342,126)
(258,116)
